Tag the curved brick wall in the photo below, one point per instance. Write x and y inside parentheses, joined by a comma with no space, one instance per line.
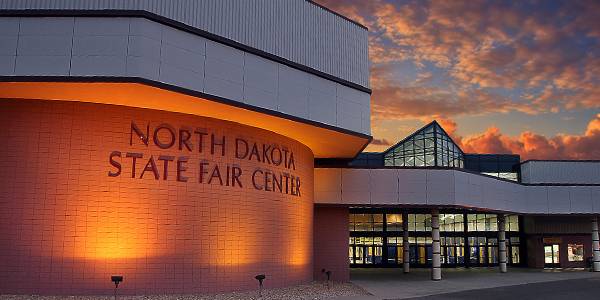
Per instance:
(69,219)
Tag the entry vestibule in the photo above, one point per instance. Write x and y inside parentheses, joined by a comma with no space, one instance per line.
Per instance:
(466,239)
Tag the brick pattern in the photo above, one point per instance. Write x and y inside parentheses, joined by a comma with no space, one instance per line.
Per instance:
(66,226)
(331,237)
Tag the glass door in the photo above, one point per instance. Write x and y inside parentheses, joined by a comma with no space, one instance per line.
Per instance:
(551,256)
(452,251)
(478,253)
(372,255)
(359,255)
(394,250)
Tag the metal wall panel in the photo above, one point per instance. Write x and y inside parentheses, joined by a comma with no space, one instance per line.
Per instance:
(565,172)
(439,188)
(138,47)
(296,30)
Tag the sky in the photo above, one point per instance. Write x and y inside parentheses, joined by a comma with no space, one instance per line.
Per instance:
(500,76)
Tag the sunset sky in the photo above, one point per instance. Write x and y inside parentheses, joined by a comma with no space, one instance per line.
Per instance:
(501,77)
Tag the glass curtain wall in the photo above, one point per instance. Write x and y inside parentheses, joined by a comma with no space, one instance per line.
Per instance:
(452,240)
(429,147)
(465,239)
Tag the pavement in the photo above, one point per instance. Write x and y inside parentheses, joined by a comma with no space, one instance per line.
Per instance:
(585,288)
(474,283)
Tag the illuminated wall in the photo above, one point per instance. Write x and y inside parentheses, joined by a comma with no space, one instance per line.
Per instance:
(73,212)
(331,242)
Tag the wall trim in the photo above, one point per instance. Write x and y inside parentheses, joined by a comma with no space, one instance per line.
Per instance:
(448,169)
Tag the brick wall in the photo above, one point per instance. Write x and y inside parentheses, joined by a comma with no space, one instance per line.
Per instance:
(331,243)
(66,225)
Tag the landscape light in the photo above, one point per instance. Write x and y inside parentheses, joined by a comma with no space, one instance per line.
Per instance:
(116,279)
(260,279)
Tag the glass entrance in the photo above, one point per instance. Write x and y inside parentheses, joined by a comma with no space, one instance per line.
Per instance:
(452,250)
(478,253)
(551,256)
(421,251)
(466,239)
(365,250)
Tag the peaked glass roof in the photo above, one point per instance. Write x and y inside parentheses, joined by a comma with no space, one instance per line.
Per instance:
(430,146)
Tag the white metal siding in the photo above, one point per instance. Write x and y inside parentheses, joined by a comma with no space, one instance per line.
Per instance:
(449,188)
(137,47)
(296,30)
(566,172)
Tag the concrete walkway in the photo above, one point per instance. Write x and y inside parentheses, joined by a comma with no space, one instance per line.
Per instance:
(393,284)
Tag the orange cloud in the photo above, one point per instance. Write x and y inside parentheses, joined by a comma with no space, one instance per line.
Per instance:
(535,146)
(402,102)
(380,142)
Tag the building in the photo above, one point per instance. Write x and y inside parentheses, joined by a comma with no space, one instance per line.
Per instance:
(391,199)
(192,145)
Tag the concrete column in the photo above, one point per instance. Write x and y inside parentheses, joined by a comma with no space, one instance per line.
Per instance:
(436,264)
(502,242)
(595,245)
(405,244)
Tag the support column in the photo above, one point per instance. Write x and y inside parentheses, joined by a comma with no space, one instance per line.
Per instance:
(595,245)
(502,242)
(436,264)
(405,244)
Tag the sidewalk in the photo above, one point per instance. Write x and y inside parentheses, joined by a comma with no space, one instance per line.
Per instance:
(393,284)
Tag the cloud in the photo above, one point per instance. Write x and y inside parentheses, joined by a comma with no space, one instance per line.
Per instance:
(380,142)
(535,146)
(398,102)
(476,57)
(543,58)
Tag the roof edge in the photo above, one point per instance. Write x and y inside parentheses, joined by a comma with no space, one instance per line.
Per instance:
(338,14)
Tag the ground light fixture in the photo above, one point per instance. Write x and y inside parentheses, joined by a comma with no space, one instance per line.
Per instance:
(116,279)
(260,278)
(328,274)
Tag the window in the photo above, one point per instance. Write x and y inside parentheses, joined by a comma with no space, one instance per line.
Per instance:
(394,222)
(419,222)
(365,250)
(575,252)
(504,175)
(420,250)
(492,250)
(482,222)
(452,250)
(514,256)
(395,250)
(366,222)
(512,223)
(451,223)
(377,222)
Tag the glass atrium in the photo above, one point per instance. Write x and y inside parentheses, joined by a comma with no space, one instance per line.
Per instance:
(428,147)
